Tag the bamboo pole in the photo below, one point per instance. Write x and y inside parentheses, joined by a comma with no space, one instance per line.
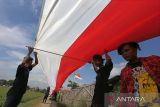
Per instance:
(61,55)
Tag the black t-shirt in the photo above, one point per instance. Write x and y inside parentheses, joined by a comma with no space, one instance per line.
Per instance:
(103,73)
(21,80)
(101,85)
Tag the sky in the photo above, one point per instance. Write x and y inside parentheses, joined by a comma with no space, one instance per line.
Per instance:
(18,26)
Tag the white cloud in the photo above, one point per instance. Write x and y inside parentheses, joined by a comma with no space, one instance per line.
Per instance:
(16,54)
(117,69)
(14,37)
(8,69)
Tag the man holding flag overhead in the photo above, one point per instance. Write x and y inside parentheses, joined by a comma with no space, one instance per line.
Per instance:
(18,89)
(103,73)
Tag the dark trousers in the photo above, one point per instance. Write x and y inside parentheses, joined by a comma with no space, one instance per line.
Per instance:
(96,105)
(13,100)
(45,98)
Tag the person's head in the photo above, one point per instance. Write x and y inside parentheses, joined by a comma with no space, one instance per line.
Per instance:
(98,60)
(28,61)
(129,50)
(48,88)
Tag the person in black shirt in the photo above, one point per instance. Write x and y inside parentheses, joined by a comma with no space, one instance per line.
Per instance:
(103,73)
(46,95)
(19,87)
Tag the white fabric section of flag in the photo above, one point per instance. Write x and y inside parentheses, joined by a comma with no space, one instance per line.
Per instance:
(61,24)
(47,7)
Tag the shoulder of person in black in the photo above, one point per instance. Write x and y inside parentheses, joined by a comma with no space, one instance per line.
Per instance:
(20,82)
(22,76)
(21,69)
(105,70)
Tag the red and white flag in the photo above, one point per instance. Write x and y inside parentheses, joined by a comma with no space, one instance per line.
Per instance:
(78,76)
(82,28)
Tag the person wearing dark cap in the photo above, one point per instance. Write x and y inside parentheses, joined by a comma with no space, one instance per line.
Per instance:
(140,76)
(103,72)
(19,87)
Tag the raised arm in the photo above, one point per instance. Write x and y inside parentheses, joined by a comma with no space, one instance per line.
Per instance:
(30,50)
(109,63)
(94,66)
(36,59)
(108,58)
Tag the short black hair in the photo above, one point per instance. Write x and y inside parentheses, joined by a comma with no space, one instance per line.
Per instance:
(131,44)
(97,57)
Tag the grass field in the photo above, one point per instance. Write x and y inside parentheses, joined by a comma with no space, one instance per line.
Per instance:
(30,99)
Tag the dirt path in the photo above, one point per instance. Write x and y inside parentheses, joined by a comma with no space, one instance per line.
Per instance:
(54,104)
(47,104)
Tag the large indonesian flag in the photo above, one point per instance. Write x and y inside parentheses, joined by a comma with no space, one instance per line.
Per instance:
(82,28)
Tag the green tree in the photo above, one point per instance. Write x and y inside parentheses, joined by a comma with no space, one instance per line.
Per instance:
(10,82)
(3,82)
(72,84)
